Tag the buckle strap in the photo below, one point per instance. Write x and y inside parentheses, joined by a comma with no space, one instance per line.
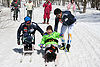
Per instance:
(50,40)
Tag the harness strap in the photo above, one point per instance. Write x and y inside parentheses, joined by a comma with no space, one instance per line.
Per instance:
(51,49)
(50,40)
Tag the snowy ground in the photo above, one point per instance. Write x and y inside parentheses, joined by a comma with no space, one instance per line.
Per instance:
(85,47)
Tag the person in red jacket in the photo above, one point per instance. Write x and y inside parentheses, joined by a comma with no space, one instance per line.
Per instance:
(48,7)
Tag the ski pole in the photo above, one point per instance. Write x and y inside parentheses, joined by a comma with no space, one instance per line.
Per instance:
(10,13)
(19,15)
(33,13)
(24,11)
(10,10)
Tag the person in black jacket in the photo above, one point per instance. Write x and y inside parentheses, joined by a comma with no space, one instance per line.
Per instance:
(67,20)
(15,6)
(28,29)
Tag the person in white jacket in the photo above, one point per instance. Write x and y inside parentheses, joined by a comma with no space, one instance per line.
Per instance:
(29,7)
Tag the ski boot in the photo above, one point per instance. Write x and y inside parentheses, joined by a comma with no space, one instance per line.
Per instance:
(14,19)
(47,22)
(67,47)
(44,21)
(63,46)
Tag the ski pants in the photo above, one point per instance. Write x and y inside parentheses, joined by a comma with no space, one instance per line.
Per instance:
(29,13)
(15,13)
(70,30)
(46,15)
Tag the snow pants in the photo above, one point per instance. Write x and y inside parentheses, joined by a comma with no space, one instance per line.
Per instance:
(70,30)
(46,15)
(15,13)
(29,13)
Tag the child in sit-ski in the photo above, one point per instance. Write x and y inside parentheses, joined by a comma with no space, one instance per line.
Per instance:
(51,44)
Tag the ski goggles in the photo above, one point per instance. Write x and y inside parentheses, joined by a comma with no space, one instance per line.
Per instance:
(28,22)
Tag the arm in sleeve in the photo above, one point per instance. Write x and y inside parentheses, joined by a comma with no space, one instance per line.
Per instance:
(39,29)
(19,31)
(43,40)
(68,7)
(74,7)
(56,24)
(44,5)
(58,35)
(50,7)
(25,4)
(12,4)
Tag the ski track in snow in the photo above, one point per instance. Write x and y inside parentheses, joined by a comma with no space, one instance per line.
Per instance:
(84,51)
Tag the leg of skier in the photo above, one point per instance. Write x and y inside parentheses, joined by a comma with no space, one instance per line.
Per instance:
(44,18)
(14,14)
(48,17)
(31,14)
(63,30)
(70,30)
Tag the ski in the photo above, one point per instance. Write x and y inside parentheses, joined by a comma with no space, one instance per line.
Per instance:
(21,60)
(31,54)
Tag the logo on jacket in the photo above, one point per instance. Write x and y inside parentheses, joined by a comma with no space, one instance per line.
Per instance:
(25,29)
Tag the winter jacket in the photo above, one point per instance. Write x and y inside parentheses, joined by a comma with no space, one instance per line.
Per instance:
(48,7)
(67,19)
(29,6)
(28,29)
(15,4)
(53,36)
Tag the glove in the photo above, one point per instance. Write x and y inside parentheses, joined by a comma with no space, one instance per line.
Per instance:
(50,12)
(18,41)
(41,45)
(46,2)
(18,9)
(62,34)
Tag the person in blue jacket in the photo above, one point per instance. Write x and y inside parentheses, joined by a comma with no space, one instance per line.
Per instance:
(67,20)
(28,29)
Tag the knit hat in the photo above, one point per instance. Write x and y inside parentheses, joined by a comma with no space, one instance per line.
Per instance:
(27,19)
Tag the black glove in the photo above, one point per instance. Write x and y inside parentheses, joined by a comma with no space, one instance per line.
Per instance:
(18,42)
